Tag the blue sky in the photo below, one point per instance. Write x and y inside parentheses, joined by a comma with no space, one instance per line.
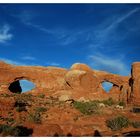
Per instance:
(104,36)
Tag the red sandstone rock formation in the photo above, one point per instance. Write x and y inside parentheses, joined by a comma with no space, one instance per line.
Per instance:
(79,81)
(135,82)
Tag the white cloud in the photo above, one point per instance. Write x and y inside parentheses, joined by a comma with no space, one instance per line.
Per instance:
(27,17)
(4,34)
(52,64)
(122,18)
(105,39)
(20,63)
(110,64)
(64,36)
(28,58)
(13,62)
(98,35)
(107,31)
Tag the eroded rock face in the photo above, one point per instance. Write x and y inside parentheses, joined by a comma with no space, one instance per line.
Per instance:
(79,81)
(135,82)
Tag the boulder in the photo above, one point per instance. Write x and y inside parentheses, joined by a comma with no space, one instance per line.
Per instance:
(64,97)
(80,66)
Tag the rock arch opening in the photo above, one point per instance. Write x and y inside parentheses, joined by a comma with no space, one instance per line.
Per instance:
(21,86)
(107,86)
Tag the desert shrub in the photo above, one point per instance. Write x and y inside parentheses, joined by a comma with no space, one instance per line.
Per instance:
(108,102)
(9,120)
(96,101)
(20,109)
(117,123)
(41,109)
(1,118)
(6,95)
(35,117)
(27,95)
(10,114)
(86,108)
(122,103)
(7,130)
(24,97)
(41,95)
(18,93)
(21,101)
(135,124)
(20,105)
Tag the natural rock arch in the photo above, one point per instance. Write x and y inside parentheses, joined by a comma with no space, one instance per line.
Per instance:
(15,87)
(107,86)
(80,80)
(21,86)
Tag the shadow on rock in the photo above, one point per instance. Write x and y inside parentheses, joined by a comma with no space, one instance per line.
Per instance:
(97,134)
(132,134)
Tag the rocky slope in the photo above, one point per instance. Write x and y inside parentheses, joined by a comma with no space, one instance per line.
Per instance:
(69,102)
(39,115)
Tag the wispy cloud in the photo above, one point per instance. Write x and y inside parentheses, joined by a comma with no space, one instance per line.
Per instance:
(64,36)
(25,63)
(52,64)
(13,62)
(106,38)
(27,17)
(28,58)
(107,31)
(5,35)
(122,18)
(110,64)
(98,35)
(24,16)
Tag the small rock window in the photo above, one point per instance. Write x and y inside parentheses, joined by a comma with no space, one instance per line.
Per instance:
(21,86)
(107,86)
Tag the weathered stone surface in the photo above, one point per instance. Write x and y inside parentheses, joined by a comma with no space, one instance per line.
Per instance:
(79,66)
(135,82)
(47,130)
(79,81)
(7,104)
(64,97)
(63,118)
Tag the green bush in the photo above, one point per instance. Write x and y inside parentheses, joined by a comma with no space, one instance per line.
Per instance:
(18,93)
(9,119)
(122,103)
(7,130)
(41,95)
(86,108)
(1,118)
(10,114)
(6,95)
(136,124)
(108,102)
(41,109)
(21,105)
(117,123)
(24,97)
(20,109)
(35,117)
